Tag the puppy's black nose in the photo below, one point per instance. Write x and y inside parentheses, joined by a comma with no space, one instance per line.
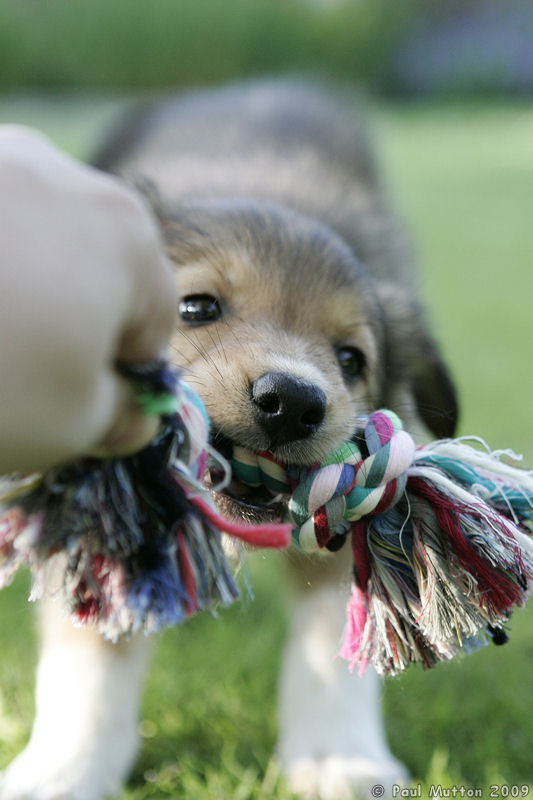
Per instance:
(286,407)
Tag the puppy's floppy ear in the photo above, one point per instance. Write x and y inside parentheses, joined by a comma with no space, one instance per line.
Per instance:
(434,390)
(413,361)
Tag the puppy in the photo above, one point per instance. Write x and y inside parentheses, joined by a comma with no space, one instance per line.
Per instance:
(297,313)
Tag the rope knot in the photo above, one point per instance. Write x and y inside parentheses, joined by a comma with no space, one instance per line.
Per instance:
(362,477)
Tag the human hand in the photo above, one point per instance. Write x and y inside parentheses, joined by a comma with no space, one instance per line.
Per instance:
(84,283)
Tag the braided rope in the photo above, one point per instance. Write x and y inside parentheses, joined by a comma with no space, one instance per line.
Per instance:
(361,477)
(440,537)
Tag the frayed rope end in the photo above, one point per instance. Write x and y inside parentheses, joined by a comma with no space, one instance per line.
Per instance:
(139,539)
(440,537)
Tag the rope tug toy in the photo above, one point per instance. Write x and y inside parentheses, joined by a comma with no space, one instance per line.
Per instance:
(140,539)
(439,535)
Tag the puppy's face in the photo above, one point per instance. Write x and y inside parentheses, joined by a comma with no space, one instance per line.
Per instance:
(281,332)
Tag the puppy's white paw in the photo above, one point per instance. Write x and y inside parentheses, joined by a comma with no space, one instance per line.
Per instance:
(46,775)
(85,735)
(342,778)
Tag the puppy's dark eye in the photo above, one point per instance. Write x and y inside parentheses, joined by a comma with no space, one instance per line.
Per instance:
(352,362)
(199,309)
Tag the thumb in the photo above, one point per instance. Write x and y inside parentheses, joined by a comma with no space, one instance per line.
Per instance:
(130,428)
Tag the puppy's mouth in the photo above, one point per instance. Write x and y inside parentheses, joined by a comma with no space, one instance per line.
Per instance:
(251,503)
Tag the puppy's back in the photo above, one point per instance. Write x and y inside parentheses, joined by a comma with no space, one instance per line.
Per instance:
(297,144)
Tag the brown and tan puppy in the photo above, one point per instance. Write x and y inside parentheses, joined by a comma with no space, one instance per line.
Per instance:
(297,313)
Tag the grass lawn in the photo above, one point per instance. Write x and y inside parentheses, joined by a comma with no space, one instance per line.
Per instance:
(462,178)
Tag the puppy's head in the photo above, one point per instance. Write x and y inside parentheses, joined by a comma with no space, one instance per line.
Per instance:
(285,336)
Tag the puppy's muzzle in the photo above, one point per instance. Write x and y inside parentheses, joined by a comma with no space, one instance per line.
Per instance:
(286,407)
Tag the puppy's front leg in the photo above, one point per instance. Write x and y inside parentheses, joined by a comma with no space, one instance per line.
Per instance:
(332,742)
(85,734)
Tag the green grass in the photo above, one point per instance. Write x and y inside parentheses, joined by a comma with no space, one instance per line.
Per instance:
(462,179)
(102,44)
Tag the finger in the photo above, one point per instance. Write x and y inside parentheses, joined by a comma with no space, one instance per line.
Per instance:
(153,322)
(153,312)
(131,429)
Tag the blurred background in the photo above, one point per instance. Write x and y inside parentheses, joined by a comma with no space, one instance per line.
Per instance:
(411,48)
(449,89)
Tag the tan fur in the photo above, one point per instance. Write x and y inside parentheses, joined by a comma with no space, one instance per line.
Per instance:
(291,322)
(270,202)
